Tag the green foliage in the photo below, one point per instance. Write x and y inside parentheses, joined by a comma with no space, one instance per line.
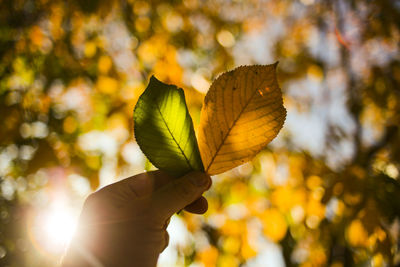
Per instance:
(164,129)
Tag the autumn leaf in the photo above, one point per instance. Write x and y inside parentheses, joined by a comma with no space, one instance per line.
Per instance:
(164,129)
(242,112)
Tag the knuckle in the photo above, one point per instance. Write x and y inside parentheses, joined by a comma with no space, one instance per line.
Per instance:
(93,201)
(89,210)
(90,200)
(184,190)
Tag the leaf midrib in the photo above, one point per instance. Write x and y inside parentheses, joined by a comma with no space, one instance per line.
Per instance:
(230,128)
(176,142)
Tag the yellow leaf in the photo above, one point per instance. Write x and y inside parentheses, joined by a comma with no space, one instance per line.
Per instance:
(242,112)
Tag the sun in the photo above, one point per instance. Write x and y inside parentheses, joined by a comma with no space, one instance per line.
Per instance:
(54,227)
(59,227)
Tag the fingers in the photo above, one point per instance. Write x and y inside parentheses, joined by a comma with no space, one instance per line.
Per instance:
(199,206)
(143,184)
(179,193)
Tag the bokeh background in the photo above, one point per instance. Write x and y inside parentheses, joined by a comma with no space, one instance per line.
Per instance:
(324,193)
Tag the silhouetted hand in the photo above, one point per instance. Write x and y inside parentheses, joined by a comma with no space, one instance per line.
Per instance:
(124,224)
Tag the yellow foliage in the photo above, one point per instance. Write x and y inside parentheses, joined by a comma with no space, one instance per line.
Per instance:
(208,257)
(314,207)
(358,172)
(142,24)
(153,49)
(141,7)
(282,198)
(90,49)
(338,189)
(232,227)
(56,17)
(315,73)
(252,24)
(296,166)
(117,120)
(340,208)
(174,73)
(107,85)
(356,234)
(313,182)
(44,104)
(275,225)
(247,251)
(23,77)
(239,192)
(290,48)
(118,126)
(378,235)
(104,64)
(168,62)
(231,244)
(285,198)
(70,124)
(172,21)
(93,162)
(317,256)
(378,261)
(36,35)
(352,198)
(227,260)
(129,93)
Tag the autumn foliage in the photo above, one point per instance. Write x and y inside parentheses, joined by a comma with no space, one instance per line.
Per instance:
(325,192)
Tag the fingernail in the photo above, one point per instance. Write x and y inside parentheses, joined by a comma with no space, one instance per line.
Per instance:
(199,179)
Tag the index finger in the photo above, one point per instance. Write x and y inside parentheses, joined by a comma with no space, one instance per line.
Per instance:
(144,184)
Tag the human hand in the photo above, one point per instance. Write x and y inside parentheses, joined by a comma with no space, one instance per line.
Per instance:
(124,224)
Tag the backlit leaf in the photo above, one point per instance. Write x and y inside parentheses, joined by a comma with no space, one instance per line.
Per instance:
(242,112)
(164,129)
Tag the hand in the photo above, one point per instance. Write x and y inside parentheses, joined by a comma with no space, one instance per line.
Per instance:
(124,224)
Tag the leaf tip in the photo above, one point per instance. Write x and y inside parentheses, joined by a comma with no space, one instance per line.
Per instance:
(153,79)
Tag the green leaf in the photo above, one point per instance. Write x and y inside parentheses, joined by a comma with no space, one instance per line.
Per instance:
(164,129)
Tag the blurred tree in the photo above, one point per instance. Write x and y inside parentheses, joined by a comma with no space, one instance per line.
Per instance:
(325,193)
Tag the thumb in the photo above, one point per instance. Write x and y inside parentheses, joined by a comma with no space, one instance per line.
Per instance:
(179,193)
